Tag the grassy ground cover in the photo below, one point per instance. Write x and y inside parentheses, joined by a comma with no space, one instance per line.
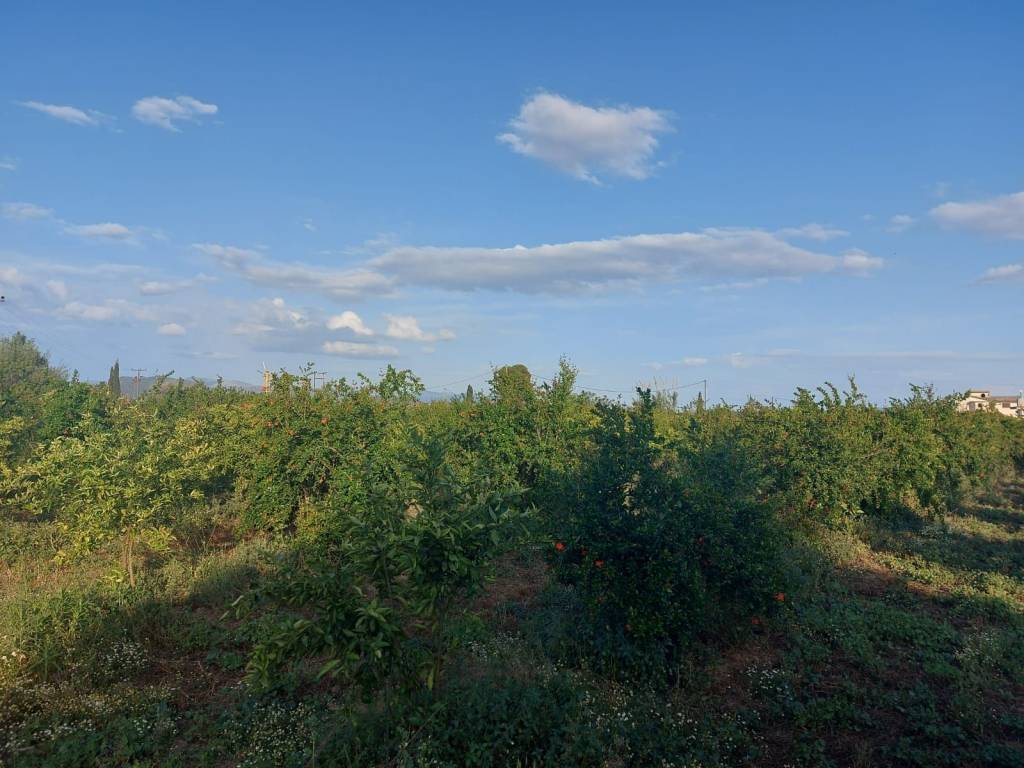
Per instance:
(902,644)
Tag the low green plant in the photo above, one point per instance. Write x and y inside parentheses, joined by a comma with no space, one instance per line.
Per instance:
(371,599)
(124,485)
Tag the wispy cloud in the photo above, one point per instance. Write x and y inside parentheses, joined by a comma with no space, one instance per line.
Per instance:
(749,360)
(585,266)
(66,113)
(24,211)
(689,362)
(171,329)
(105,231)
(273,316)
(8,164)
(109,310)
(254,267)
(812,231)
(349,320)
(167,113)
(901,222)
(1001,216)
(408,328)
(163,287)
(57,289)
(1003,274)
(359,350)
(103,270)
(12,277)
(587,142)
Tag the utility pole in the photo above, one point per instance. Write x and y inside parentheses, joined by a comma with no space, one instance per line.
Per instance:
(138,380)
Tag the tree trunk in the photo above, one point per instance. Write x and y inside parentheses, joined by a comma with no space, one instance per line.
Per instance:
(129,559)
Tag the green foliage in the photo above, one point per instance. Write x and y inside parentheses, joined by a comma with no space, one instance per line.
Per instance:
(126,484)
(25,378)
(816,454)
(787,567)
(114,379)
(663,543)
(376,588)
(295,449)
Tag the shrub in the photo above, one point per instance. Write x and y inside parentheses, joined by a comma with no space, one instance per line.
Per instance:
(120,485)
(298,447)
(663,543)
(375,590)
(816,454)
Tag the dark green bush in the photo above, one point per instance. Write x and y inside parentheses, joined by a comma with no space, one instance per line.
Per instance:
(664,543)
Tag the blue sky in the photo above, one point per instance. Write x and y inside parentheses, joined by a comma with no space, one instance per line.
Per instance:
(762,195)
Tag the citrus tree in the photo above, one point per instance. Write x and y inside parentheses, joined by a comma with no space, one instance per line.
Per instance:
(370,601)
(664,542)
(124,485)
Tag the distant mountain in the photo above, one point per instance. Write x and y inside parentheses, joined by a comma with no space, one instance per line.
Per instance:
(430,397)
(147,382)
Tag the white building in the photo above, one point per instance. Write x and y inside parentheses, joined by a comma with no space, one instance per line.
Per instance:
(984,400)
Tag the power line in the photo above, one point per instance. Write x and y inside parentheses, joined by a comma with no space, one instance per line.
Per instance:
(459,381)
(138,379)
(623,391)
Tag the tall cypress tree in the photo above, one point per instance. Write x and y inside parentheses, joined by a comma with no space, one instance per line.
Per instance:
(114,380)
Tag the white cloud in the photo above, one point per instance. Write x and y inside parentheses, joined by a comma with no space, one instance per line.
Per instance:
(348,320)
(102,271)
(171,329)
(586,142)
(1003,274)
(739,360)
(58,289)
(164,112)
(106,231)
(253,267)
(901,222)
(67,114)
(8,164)
(80,311)
(11,277)
(357,349)
(272,316)
(813,231)
(408,328)
(736,285)
(583,266)
(860,262)
(1001,216)
(111,309)
(162,287)
(309,225)
(690,362)
(24,211)
(789,357)
(211,355)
